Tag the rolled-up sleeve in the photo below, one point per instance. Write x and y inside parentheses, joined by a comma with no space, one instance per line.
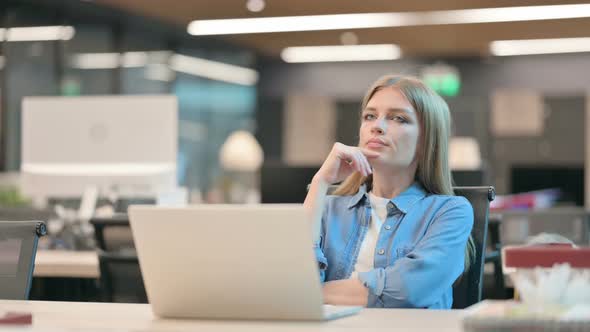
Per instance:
(420,278)
(322,261)
(317,248)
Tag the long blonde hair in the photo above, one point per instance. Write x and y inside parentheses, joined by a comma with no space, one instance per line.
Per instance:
(433,171)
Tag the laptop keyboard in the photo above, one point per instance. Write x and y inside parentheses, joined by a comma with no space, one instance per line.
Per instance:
(336,311)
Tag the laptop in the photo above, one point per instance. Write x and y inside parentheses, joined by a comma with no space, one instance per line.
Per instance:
(230,262)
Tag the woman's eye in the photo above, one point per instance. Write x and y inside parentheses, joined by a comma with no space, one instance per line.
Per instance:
(398,118)
(369,117)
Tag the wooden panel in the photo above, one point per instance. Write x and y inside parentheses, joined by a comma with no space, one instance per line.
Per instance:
(449,40)
(184,11)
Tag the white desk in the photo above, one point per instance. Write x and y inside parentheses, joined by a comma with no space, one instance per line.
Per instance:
(59,316)
(66,264)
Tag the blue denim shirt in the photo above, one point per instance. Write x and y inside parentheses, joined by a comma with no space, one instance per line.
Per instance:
(420,251)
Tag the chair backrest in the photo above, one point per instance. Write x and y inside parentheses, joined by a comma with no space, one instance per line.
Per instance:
(467,290)
(120,278)
(18,246)
(113,234)
(120,275)
(123,203)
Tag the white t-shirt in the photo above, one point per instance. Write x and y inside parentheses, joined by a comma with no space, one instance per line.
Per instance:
(366,258)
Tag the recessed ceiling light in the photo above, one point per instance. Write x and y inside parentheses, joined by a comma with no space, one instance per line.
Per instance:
(341,53)
(349,38)
(382,20)
(539,46)
(40,33)
(154,61)
(213,70)
(255,5)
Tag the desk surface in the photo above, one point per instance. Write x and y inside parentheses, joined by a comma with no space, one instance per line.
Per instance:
(66,264)
(138,317)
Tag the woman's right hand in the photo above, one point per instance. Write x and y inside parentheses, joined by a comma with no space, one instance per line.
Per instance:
(343,160)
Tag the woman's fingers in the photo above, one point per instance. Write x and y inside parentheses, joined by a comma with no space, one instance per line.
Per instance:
(368,168)
(358,164)
(362,167)
(366,164)
(359,161)
(356,158)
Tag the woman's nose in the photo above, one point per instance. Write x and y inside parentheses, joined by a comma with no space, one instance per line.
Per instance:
(378,127)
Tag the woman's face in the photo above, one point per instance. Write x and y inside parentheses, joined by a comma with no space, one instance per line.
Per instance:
(389,125)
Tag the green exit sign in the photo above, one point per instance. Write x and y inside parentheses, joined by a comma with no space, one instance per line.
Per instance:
(442,79)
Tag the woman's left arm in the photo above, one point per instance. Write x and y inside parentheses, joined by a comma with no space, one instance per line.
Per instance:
(345,292)
(420,278)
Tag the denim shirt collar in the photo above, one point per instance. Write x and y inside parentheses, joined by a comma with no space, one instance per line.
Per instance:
(404,201)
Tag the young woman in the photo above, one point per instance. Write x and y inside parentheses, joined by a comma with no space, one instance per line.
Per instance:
(392,234)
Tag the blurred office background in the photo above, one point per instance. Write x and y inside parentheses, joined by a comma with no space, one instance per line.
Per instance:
(519,118)
(526,113)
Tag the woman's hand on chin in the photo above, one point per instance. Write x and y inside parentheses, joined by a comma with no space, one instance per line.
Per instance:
(343,160)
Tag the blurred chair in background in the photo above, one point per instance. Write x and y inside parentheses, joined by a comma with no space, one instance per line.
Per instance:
(113,234)
(497,288)
(18,247)
(468,169)
(120,275)
(467,290)
(120,278)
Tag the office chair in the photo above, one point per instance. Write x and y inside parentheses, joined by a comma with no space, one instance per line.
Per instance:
(120,275)
(123,203)
(494,256)
(113,234)
(120,278)
(18,246)
(467,290)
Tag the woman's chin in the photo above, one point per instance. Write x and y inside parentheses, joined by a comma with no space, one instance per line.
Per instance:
(376,161)
(384,163)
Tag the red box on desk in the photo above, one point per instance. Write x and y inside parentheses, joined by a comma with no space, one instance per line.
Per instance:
(546,256)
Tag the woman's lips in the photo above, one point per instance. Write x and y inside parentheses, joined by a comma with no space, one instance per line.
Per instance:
(376,144)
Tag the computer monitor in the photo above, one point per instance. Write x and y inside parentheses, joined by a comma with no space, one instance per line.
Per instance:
(126,144)
(568,179)
(280,183)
